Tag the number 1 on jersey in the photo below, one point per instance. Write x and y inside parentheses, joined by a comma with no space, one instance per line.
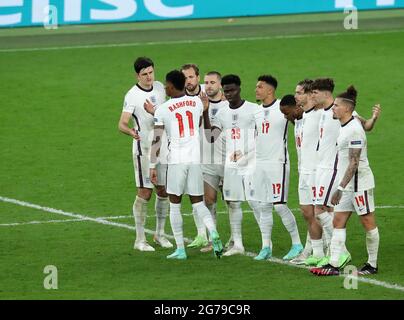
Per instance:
(181,123)
(265,127)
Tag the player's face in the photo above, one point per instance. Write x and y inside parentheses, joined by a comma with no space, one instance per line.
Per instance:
(231,92)
(319,97)
(298,112)
(339,109)
(191,79)
(300,96)
(212,85)
(288,112)
(262,90)
(146,77)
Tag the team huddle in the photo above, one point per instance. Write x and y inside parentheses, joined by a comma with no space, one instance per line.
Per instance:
(207,138)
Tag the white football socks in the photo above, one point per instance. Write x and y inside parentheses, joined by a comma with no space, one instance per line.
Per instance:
(325,220)
(140,212)
(266,223)
(289,221)
(212,209)
(176,224)
(161,207)
(318,250)
(200,226)
(307,247)
(236,217)
(337,246)
(372,245)
(255,206)
(204,214)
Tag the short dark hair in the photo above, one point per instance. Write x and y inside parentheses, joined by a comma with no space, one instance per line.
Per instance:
(215,73)
(349,95)
(269,79)
(231,79)
(177,79)
(306,84)
(191,66)
(141,63)
(323,84)
(288,101)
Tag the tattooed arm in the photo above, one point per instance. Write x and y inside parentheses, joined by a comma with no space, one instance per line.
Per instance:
(155,152)
(354,156)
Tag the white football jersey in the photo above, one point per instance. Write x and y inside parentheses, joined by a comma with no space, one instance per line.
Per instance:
(327,143)
(272,135)
(298,139)
(352,136)
(214,153)
(239,127)
(142,120)
(309,142)
(181,117)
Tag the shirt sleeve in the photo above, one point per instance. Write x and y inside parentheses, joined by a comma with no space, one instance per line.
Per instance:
(216,121)
(356,141)
(128,105)
(159,117)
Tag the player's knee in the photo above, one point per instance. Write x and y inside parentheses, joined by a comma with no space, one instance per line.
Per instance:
(368,221)
(144,193)
(209,200)
(280,207)
(161,192)
(255,205)
(318,209)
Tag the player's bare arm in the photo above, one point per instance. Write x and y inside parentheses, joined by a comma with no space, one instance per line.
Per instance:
(354,156)
(155,151)
(123,126)
(370,123)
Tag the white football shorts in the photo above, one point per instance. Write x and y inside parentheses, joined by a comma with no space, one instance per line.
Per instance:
(326,185)
(307,188)
(362,202)
(184,179)
(142,172)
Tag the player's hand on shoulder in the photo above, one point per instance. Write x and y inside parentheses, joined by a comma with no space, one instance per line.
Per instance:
(148,106)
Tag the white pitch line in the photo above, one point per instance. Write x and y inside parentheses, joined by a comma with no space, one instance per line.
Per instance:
(176,42)
(15,224)
(121,225)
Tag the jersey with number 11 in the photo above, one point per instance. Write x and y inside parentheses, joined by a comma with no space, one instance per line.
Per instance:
(181,118)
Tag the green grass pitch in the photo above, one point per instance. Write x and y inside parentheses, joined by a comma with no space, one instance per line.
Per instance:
(60,148)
